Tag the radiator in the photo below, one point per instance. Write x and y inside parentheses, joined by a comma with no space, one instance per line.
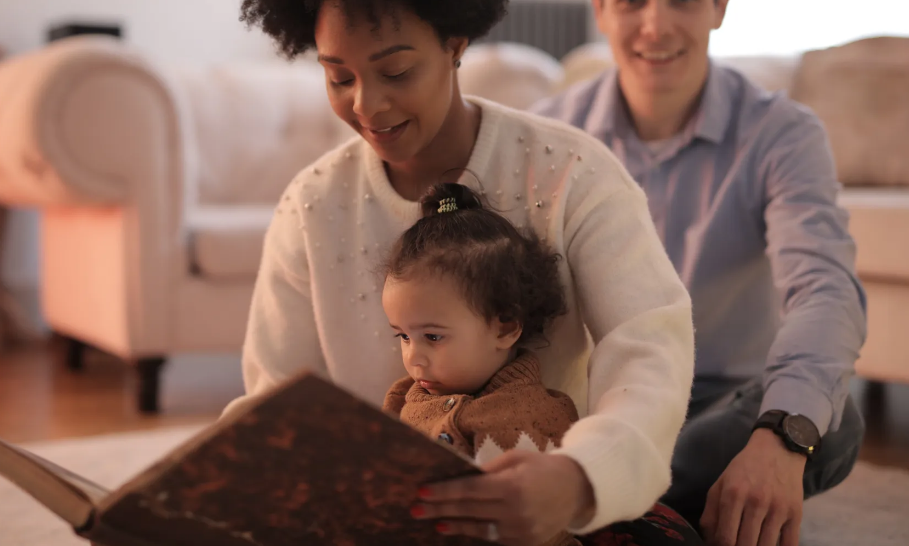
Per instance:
(554,26)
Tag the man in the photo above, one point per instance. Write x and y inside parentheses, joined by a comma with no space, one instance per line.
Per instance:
(742,189)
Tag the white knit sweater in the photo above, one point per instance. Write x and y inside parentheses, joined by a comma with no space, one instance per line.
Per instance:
(317,301)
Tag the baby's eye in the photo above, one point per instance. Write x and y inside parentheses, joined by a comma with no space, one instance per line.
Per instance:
(433,337)
(403,336)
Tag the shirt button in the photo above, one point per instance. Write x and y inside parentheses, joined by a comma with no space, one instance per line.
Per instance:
(445,437)
(449,404)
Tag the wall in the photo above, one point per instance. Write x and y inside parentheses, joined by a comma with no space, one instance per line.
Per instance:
(784,27)
(186,31)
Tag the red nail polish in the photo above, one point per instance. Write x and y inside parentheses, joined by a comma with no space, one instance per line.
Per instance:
(442,528)
(417,511)
(423,493)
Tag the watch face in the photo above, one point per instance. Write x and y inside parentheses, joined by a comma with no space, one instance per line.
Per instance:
(801,431)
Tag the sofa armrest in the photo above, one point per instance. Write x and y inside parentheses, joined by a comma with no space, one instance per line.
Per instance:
(84,121)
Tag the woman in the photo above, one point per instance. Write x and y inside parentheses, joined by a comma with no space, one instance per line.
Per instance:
(391,74)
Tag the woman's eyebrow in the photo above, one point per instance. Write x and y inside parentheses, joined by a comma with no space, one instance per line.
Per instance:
(372,58)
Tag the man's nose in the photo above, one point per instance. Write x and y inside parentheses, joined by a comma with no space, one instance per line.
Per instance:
(655,19)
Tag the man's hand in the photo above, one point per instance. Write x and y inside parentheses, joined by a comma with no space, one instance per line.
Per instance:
(530,497)
(758,499)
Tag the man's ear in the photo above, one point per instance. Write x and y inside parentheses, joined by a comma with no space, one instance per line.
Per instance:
(719,13)
(599,14)
(509,333)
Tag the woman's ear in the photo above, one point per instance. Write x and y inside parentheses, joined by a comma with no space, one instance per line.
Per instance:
(457,47)
(509,333)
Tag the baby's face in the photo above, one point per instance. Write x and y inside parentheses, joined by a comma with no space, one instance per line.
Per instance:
(447,348)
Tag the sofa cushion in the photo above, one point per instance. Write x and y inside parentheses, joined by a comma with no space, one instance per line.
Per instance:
(770,72)
(516,75)
(226,242)
(861,92)
(256,126)
(879,223)
(586,62)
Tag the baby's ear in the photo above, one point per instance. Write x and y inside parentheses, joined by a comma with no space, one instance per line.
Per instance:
(509,332)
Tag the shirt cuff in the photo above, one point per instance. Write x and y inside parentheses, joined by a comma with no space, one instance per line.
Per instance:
(797,398)
(614,465)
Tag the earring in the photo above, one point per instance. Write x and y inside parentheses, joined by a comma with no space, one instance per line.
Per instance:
(458,63)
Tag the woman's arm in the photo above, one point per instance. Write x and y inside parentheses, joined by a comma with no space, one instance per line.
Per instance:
(640,372)
(281,335)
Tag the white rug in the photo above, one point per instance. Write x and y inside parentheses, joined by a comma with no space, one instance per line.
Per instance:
(871,508)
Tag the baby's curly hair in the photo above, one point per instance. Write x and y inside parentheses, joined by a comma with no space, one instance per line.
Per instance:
(292,23)
(501,272)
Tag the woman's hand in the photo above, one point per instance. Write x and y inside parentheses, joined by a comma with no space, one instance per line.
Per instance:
(527,497)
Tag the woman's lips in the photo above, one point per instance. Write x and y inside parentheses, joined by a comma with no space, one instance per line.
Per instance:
(388,134)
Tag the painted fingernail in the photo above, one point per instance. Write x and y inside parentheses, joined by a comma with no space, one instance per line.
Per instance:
(443,528)
(417,511)
(424,493)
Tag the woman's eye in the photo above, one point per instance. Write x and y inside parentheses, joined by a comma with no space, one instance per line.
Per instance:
(433,337)
(343,83)
(398,76)
(403,336)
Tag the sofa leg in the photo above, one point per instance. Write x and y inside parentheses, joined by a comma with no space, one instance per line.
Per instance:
(71,351)
(149,370)
(75,354)
(875,405)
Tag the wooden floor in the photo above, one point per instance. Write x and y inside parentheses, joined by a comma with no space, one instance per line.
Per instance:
(41,400)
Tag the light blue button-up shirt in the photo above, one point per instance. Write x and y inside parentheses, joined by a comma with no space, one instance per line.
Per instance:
(744,199)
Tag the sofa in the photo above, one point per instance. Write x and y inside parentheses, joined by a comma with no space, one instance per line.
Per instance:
(155,185)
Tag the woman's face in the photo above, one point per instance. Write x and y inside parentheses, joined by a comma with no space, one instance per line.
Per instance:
(393,84)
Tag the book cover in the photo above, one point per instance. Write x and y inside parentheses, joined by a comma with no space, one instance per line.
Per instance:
(307,463)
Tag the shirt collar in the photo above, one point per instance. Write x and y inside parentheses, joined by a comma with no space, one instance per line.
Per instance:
(608,115)
(714,113)
(606,106)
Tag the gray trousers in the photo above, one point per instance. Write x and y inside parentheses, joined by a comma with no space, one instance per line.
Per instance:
(720,417)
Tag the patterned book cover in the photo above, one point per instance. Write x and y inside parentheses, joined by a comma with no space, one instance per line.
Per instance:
(309,464)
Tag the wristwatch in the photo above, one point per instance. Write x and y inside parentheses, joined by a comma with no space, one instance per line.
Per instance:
(798,433)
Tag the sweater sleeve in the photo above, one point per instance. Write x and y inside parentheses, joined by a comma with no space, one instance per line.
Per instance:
(281,336)
(640,372)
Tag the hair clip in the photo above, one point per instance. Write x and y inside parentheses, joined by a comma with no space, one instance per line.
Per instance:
(448,205)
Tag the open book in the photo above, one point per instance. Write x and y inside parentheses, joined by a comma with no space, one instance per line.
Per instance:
(306,464)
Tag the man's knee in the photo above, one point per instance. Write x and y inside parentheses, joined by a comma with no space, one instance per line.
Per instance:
(705,447)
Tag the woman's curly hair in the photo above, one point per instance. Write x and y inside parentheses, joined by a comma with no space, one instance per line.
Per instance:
(292,23)
(502,272)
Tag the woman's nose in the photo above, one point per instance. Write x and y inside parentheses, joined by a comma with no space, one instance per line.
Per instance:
(369,100)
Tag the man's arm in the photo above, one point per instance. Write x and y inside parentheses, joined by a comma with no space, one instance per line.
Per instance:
(758,498)
(812,257)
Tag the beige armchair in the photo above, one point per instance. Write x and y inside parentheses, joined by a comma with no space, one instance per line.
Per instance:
(155,186)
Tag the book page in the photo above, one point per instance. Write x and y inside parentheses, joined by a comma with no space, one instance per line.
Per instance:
(65,493)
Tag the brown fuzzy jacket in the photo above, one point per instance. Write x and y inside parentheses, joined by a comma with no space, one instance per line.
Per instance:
(513,410)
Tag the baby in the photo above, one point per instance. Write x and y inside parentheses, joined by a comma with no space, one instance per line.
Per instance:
(467,294)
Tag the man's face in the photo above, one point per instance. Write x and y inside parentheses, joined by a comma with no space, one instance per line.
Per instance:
(660,46)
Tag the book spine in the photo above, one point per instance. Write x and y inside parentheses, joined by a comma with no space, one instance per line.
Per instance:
(99,534)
